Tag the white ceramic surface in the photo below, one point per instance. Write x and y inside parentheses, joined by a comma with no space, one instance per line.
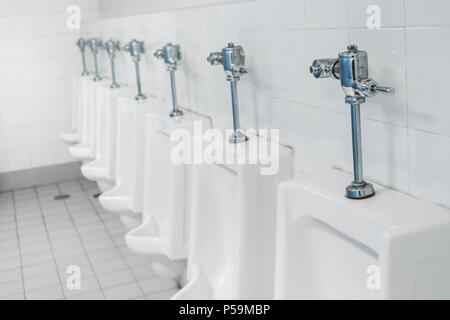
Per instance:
(329,246)
(87,119)
(232,233)
(73,135)
(101,169)
(163,234)
(126,197)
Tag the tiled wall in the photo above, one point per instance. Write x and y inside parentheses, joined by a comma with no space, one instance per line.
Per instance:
(406,138)
(121,8)
(37,60)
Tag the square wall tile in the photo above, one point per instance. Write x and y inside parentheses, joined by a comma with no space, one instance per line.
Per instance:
(327,14)
(386,54)
(427,13)
(362,13)
(427,79)
(429,156)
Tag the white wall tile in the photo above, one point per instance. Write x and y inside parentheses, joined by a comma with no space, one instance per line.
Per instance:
(391,13)
(281,39)
(5,27)
(385,154)
(288,14)
(326,14)
(427,13)
(35,80)
(22,26)
(428,82)
(429,160)
(386,53)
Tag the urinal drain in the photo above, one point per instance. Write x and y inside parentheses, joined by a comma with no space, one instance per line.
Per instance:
(61,197)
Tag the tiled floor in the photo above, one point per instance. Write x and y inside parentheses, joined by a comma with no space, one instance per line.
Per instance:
(41,237)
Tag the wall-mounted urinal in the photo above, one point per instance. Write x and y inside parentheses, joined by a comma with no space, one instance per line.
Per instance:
(102,169)
(85,149)
(232,233)
(163,234)
(73,135)
(392,246)
(126,197)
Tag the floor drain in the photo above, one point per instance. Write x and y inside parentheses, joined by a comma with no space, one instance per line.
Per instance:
(62,197)
(95,196)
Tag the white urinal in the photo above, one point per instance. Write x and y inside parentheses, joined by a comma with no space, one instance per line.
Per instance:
(85,150)
(73,135)
(232,236)
(126,197)
(391,246)
(163,233)
(101,169)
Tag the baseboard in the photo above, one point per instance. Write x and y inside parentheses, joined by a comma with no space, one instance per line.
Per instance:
(40,176)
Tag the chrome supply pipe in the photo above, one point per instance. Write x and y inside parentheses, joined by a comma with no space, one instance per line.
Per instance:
(95,44)
(112,47)
(352,69)
(232,58)
(136,49)
(81,43)
(171,54)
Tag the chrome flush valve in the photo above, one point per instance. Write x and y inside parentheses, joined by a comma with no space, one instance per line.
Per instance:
(136,49)
(351,68)
(81,43)
(95,44)
(232,58)
(112,47)
(172,56)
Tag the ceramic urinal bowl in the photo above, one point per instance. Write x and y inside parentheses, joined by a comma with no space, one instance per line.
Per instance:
(85,150)
(390,246)
(232,235)
(163,233)
(102,168)
(73,135)
(126,197)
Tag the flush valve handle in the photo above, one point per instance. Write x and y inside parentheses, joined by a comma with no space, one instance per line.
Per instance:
(215,58)
(159,54)
(369,88)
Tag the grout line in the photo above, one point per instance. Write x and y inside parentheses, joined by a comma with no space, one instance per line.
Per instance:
(18,243)
(80,238)
(115,244)
(408,149)
(50,242)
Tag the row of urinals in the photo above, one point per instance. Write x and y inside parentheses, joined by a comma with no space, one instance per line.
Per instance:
(227,232)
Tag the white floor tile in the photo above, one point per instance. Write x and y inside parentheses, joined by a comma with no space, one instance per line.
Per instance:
(116,278)
(42,281)
(97,295)
(155,285)
(39,269)
(52,293)
(10,275)
(87,285)
(11,288)
(127,291)
(104,267)
(10,263)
